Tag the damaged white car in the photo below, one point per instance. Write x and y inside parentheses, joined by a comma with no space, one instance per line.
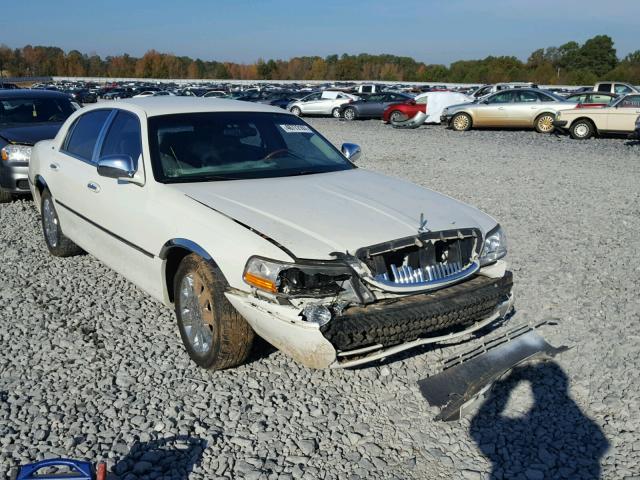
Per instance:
(248,221)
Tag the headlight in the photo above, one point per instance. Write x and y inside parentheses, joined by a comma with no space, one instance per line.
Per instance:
(16,153)
(494,247)
(297,279)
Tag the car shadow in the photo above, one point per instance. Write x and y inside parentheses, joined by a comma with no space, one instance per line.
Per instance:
(553,439)
(172,457)
(260,349)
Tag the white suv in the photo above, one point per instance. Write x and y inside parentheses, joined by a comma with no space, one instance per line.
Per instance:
(246,220)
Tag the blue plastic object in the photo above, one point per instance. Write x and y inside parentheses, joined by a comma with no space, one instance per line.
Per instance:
(79,470)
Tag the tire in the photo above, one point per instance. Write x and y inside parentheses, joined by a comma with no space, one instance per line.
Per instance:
(214,334)
(349,113)
(296,111)
(335,113)
(58,244)
(582,129)
(461,122)
(5,197)
(397,116)
(544,123)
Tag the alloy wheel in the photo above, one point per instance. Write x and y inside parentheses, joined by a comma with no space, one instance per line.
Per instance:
(197,313)
(50,222)
(461,122)
(545,124)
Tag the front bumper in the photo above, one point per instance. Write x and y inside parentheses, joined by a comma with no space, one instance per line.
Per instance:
(14,178)
(364,334)
(445,119)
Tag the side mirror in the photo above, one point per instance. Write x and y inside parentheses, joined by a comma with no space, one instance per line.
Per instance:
(351,151)
(116,166)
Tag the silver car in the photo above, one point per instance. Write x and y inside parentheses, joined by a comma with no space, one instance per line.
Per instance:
(516,108)
(320,103)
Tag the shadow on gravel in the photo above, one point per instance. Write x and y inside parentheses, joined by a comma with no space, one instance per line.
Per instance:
(260,349)
(554,439)
(172,457)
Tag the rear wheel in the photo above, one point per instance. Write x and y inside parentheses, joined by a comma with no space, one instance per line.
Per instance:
(296,111)
(544,123)
(335,113)
(582,129)
(397,116)
(461,122)
(213,332)
(349,113)
(58,244)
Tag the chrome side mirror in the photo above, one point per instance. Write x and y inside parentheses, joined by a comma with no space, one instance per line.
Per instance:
(116,166)
(351,151)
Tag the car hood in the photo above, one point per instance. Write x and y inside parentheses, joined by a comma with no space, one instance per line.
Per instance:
(29,135)
(315,215)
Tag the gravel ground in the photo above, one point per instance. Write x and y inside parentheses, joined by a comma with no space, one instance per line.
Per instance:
(91,368)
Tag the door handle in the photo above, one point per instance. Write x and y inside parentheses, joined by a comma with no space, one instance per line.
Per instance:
(94,187)
(54,166)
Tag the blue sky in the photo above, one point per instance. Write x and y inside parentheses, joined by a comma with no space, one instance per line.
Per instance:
(245,30)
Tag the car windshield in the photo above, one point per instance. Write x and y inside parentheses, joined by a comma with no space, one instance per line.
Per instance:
(21,111)
(198,147)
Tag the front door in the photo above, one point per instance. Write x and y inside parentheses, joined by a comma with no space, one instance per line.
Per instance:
(494,111)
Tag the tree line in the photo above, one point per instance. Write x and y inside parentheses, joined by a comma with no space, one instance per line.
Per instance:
(571,63)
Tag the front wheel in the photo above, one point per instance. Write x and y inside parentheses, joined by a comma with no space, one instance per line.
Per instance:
(296,111)
(58,244)
(349,114)
(461,122)
(544,123)
(213,332)
(582,130)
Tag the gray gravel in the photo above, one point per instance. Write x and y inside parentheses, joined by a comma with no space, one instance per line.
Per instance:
(91,368)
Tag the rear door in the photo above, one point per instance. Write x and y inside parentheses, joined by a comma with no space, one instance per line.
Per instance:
(622,118)
(312,103)
(70,172)
(524,108)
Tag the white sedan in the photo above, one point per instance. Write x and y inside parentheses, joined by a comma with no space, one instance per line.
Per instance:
(247,221)
(321,103)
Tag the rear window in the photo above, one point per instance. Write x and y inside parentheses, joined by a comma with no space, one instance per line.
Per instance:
(16,111)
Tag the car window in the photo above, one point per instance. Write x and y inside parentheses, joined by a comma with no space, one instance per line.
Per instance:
(123,137)
(543,97)
(34,110)
(199,147)
(502,97)
(599,98)
(82,137)
(632,101)
(422,100)
(313,96)
(376,98)
(526,96)
(604,87)
(622,89)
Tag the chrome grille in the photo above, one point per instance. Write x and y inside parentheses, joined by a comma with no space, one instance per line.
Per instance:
(406,275)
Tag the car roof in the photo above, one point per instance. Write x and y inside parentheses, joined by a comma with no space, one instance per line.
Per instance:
(27,93)
(167,105)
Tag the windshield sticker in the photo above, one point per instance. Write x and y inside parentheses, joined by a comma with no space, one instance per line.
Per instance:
(296,128)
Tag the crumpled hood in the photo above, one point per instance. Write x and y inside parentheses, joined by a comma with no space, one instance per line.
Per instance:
(315,215)
(30,135)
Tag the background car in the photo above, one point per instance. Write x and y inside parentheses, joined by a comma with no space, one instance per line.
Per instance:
(615,87)
(617,118)
(373,106)
(592,99)
(26,117)
(82,96)
(315,104)
(513,108)
(398,112)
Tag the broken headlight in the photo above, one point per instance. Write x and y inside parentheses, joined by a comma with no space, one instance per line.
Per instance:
(494,247)
(308,279)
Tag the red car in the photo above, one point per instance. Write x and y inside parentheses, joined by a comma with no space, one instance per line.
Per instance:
(398,112)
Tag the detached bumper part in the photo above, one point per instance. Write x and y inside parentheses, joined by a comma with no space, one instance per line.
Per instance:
(468,376)
(560,123)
